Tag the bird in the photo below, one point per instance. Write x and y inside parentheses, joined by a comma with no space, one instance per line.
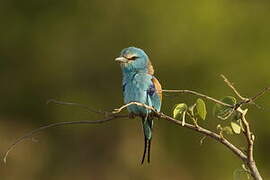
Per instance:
(140,85)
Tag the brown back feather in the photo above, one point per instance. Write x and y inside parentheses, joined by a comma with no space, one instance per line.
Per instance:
(157,87)
(150,68)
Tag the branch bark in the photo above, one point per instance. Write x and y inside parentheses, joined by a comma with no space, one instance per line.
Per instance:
(198,94)
(250,137)
(247,158)
(30,134)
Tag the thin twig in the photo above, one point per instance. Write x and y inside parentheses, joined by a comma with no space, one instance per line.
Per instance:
(244,100)
(232,87)
(75,104)
(198,94)
(260,94)
(35,131)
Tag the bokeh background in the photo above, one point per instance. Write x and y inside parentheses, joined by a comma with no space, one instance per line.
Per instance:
(65,49)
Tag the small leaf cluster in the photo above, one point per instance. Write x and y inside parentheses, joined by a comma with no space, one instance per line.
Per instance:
(194,112)
(198,111)
(227,113)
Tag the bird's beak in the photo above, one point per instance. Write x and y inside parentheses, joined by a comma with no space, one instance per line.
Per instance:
(121,60)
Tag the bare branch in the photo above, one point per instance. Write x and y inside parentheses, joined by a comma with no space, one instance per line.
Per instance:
(247,159)
(233,88)
(116,116)
(208,133)
(260,94)
(250,146)
(75,104)
(244,100)
(198,94)
(133,103)
(36,131)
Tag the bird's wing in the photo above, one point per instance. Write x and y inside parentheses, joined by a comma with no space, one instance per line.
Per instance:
(158,87)
(145,89)
(154,94)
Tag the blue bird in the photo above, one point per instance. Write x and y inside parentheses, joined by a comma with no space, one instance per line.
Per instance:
(139,85)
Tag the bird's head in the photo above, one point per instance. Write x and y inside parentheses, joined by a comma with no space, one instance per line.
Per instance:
(134,59)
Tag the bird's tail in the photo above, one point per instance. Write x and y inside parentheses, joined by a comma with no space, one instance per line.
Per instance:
(147,123)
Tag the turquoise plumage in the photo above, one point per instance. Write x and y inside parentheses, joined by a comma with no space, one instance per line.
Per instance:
(139,85)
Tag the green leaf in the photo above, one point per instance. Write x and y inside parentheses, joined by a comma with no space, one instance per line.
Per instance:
(236,128)
(228,130)
(179,109)
(224,112)
(201,108)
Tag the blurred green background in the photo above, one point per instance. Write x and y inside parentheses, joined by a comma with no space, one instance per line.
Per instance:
(65,49)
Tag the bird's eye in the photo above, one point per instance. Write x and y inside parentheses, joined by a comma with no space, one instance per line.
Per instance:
(133,58)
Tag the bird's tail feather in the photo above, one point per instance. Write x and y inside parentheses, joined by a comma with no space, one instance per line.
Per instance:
(144,151)
(147,128)
(149,150)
